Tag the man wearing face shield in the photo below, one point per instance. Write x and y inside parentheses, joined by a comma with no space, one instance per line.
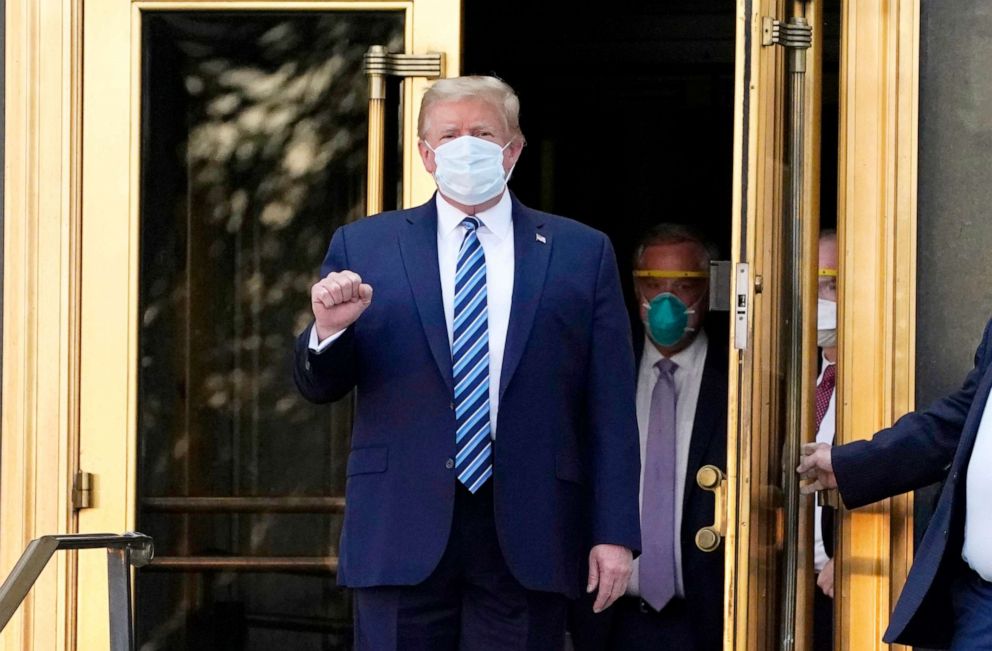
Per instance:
(675,596)
(825,405)
(494,450)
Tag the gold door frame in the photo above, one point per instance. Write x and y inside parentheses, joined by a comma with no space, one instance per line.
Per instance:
(41,310)
(70,274)
(757,204)
(877,238)
(878,143)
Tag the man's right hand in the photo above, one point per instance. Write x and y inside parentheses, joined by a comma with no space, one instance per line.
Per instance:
(815,463)
(337,301)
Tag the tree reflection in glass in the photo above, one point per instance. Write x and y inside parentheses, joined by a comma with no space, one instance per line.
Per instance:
(253,146)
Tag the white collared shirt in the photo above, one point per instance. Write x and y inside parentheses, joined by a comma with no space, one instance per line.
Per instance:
(496,237)
(688,379)
(977,550)
(824,434)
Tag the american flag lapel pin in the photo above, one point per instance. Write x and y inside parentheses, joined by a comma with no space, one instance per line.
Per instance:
(540,238)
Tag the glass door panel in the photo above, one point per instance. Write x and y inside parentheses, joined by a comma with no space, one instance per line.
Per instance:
(223,142)
(253,150)
(776,186)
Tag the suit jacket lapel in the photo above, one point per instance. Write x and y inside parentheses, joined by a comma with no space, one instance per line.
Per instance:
(531,252)
(712,392)
(418,248)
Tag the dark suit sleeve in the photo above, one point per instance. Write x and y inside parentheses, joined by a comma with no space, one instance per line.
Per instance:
(615,448)
(329,375)
(914,452)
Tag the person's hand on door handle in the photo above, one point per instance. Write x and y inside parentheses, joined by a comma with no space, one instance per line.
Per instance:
(815,464)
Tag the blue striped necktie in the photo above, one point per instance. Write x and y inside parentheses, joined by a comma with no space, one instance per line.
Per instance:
(470,362)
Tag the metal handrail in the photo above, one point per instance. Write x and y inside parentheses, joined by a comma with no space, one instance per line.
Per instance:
(288,564)
(123,551)
(237,504)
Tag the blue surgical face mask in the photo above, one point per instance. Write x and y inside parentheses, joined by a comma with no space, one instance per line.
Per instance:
(470,170)
(667,320)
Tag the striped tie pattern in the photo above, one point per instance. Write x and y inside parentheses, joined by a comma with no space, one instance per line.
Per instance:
(470,362)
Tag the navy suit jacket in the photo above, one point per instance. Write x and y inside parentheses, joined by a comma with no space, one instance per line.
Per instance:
(920,449)
(566,450)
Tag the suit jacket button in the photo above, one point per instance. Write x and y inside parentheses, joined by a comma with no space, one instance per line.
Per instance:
(452,405)
(450,463)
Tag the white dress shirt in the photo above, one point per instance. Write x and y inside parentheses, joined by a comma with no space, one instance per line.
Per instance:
(688,379)
(825,434)
(977,552)
(496,237)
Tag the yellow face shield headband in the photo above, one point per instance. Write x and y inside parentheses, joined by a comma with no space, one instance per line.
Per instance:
(658,273)
(689,285)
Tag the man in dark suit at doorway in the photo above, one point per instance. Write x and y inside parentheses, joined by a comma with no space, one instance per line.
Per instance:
(675,596)
(947,599)
(494,449)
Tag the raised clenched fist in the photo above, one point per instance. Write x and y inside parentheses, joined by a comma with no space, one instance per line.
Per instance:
(337,301)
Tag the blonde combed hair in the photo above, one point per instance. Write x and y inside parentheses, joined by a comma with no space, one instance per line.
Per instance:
(488,89)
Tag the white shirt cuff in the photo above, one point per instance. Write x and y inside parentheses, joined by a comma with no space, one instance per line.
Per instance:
(318,346)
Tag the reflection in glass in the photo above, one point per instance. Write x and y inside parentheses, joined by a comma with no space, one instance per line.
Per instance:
(253,150)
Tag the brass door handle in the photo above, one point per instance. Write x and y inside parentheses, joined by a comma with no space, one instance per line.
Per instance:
(380,64)
(829,498)
(712,479)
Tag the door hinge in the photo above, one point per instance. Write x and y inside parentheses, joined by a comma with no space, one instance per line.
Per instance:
(795,34)
(82,491)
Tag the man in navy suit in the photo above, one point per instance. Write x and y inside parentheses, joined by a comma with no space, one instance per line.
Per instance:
(680,607)
(494,450)
(947,599)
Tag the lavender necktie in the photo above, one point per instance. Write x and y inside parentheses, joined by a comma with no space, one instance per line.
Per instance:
(657,562)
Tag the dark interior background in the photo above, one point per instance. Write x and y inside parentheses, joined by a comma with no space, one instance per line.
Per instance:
(628,114)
